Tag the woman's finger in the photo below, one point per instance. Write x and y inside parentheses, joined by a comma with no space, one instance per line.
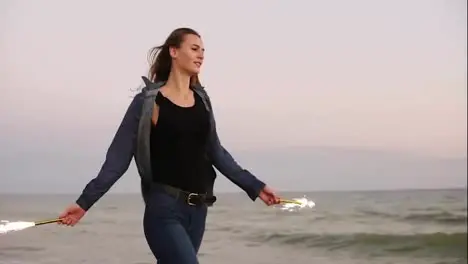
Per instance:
(68,220)
(277,200)
(73,221)
(270,201)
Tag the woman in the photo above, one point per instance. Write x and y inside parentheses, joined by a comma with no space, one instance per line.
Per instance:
(169,129)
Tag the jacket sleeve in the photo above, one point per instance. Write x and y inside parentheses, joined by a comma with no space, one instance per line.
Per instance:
(118,157)
(225,163)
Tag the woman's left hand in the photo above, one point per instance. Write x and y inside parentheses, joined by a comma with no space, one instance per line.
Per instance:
(268,196)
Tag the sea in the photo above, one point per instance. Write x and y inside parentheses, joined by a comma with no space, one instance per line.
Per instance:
(384,227)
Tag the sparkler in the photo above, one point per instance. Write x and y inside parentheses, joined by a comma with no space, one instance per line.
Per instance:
(296,204)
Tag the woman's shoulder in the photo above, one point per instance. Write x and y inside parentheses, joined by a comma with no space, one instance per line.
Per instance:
(136,103)
(138,98)
(201,91)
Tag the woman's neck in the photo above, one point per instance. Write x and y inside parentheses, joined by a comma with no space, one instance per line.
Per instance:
(178,82)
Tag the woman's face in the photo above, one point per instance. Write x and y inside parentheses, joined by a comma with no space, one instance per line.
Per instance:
(189,56)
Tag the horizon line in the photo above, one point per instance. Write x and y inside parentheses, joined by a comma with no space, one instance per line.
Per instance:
(278,191)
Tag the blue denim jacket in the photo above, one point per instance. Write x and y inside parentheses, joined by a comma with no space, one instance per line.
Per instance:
(132,141)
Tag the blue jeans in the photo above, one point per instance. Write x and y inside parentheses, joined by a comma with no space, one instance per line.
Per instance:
(173,229)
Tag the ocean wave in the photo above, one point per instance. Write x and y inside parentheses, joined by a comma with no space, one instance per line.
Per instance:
(423,245)
(441,217)
(21,248)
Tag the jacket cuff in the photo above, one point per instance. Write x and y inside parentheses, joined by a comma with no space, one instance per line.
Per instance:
(81,202)
(256,187)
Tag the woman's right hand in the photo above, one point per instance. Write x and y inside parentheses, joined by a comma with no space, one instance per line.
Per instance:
(72,215)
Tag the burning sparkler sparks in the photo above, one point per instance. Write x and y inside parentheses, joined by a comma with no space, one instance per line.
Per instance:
(7,226)
(296,204)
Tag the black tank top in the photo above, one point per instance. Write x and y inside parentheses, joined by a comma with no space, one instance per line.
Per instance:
(178,146)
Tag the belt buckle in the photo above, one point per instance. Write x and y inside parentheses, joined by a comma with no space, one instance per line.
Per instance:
(190,196)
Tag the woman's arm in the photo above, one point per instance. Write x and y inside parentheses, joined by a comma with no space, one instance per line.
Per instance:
(225,163)
(118,157)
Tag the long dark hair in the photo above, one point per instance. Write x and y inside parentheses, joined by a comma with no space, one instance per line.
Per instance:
(160,58)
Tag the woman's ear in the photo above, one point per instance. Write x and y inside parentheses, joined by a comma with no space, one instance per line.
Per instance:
(173,52)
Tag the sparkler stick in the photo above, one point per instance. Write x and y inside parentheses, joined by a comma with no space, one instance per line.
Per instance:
(290,201)
(50,221)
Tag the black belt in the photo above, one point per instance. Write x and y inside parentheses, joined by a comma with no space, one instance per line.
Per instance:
(192,199)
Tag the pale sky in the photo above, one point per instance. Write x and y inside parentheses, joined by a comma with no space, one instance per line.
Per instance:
(384,75)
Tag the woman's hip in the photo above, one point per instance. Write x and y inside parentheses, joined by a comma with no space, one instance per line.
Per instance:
(163,208)
(173,229)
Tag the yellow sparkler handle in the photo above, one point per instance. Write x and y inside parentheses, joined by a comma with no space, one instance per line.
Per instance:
(290,201)
(50,221)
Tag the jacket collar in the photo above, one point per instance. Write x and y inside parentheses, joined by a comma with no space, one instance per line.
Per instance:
(149,85)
